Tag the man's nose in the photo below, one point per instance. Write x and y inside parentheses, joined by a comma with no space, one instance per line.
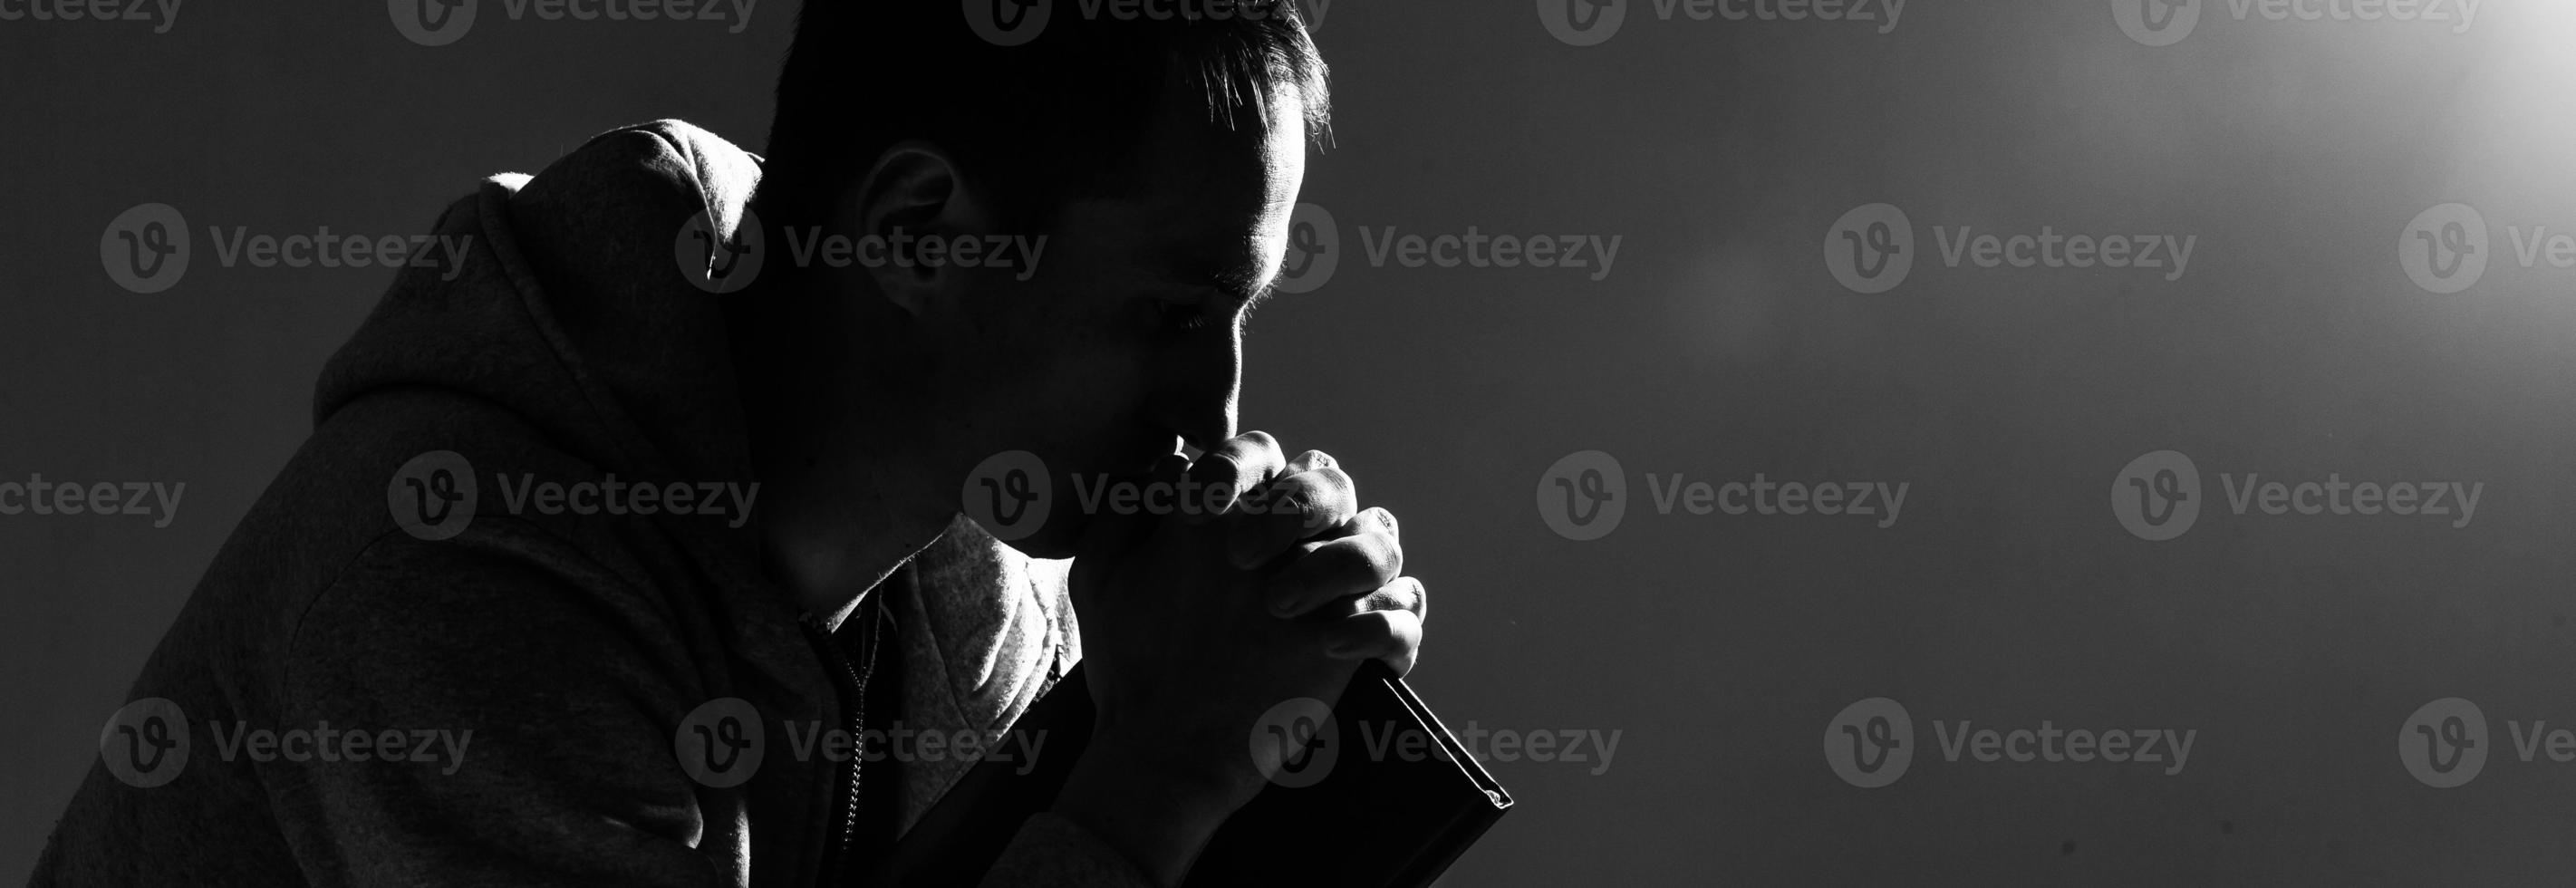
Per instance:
(1200,406)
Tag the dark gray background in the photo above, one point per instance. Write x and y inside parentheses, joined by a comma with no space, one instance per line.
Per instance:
(1720,646)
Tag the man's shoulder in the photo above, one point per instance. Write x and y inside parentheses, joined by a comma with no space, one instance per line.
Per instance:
(640,173)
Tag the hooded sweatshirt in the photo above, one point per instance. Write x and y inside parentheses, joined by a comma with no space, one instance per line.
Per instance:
(411,665)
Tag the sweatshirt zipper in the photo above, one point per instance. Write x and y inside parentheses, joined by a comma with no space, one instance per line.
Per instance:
(834,872)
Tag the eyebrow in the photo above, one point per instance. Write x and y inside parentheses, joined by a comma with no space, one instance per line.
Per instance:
(1245,287)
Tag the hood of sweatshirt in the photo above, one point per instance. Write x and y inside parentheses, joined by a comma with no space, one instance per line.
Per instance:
(610,338)
(571,344)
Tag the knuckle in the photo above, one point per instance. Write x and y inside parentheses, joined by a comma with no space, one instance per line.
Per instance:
(1346,565)
(1335,481)
(1404,594)
(1389,555)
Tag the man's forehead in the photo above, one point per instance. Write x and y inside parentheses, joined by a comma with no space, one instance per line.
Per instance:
(1244,167)
(1213,199)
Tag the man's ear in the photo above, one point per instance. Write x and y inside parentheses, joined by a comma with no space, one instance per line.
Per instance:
(914,190)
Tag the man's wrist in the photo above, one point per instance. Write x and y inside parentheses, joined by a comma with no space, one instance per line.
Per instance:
(1147,805)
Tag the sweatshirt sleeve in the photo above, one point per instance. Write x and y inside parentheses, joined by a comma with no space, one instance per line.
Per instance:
(529,711)
(1052,852)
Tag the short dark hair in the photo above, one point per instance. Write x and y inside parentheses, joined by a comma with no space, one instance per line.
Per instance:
(1057,117)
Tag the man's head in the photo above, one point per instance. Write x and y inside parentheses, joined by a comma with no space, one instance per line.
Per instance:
(1158,158)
